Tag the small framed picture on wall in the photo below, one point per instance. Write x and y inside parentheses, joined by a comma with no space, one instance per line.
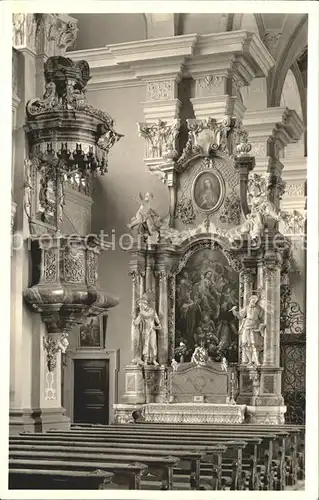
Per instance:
(92,333)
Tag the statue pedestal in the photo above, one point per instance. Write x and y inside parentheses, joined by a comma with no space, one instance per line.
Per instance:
(193,413)
(134,385)
(266,415)
(155,390)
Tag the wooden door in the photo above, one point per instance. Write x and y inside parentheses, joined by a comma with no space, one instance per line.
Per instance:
(91,391)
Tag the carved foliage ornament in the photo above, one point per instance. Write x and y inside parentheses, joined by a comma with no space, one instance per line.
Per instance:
(50,34)
(161,138)
(52,347)
(160,91)
(210,81)
(185,211)
(74,266)
(231,210)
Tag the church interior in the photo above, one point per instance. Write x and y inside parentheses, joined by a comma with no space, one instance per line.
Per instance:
(158,264)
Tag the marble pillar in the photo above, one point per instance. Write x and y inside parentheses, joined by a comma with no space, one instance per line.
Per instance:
(269,405)
(136,278)
(163,316)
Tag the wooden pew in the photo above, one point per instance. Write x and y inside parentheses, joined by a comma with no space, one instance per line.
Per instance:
(124,471)
(289,465)
(207,446)
(192,454)
(278,463)
(23,478)
(191,460)
(179,435)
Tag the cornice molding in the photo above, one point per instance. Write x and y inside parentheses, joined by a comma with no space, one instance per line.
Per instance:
(295,169)
(128,63)
(284,124)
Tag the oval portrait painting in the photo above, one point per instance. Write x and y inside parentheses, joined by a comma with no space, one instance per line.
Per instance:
(208,190)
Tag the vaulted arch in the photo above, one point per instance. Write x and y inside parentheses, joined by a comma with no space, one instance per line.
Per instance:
(287,53)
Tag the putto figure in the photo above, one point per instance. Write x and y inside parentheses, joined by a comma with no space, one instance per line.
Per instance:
(251,329)
(146,219)
(147,322)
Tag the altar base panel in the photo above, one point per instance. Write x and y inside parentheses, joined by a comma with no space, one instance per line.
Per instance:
(193,413)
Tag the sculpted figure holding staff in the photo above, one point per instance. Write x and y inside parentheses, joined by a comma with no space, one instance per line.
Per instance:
(251,329)
(147,322)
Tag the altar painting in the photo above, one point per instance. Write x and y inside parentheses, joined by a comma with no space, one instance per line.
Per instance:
(206,290)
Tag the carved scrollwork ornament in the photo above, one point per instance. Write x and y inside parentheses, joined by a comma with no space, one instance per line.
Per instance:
(52,347)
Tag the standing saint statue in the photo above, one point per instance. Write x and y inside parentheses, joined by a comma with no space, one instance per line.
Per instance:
(252,326)
(147,322)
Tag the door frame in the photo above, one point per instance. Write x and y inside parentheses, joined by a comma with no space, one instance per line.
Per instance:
(112,355)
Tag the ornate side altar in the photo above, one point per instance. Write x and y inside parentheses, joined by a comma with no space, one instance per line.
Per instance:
(206,275)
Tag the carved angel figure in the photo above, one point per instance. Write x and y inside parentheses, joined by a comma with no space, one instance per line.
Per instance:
(146,219)
(252,327)
(147,322)
(63,343)
(261,209)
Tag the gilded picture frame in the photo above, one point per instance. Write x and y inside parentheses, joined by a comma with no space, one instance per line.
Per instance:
(208,191)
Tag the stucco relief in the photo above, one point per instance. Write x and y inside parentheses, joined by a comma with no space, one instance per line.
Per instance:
(295,189)
(160,90)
